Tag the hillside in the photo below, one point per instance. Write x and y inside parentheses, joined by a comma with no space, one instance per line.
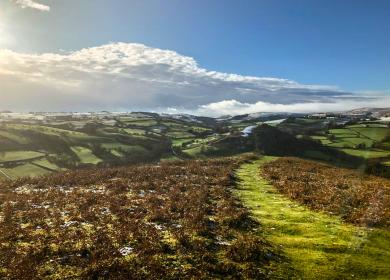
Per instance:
(43,143)
(331,222)
(168,221)
(357,198)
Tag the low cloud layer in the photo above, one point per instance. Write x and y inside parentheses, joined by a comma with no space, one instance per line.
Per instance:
(234,107)
(123,76)
(32,4)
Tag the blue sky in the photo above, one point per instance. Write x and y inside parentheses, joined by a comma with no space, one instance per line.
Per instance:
(334,43)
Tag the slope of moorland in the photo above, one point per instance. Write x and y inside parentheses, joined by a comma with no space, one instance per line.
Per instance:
(168,221)
(356,197)
(318,245)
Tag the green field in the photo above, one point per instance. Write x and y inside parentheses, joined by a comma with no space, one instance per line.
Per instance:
(75,141)
(85,155)
(25,170)
(324,140)
(193,152)
(13,136)
(47,164)
(358,140)
(141,122)
(374,133)
(368,133)
(180,141)
(179,134)
(19,155)
(374,153)
(119,149)
(132,131)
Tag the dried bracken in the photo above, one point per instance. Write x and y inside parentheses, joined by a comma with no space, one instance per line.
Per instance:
(168,221)
(356,197)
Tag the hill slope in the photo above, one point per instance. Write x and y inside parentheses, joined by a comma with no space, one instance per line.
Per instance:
(165,221)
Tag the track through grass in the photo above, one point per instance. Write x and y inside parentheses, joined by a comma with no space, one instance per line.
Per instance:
(319,246)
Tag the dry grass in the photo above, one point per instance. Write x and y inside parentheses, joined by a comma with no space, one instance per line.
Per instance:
(357,198)
(169,221)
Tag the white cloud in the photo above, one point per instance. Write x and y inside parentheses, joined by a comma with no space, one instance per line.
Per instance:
(234,107)
(121,76)
(32,4)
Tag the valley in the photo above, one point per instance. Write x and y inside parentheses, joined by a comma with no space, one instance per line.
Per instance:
(146,196)
(42,143)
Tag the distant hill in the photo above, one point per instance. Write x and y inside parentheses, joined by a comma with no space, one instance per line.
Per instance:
(270,140)
(36,143)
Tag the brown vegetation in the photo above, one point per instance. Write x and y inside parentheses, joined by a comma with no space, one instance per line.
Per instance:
(168,221)
(357,198)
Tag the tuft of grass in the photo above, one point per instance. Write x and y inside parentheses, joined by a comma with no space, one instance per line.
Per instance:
(319,246)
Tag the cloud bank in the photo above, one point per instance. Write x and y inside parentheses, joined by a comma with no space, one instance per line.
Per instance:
(122,76)
(32,4)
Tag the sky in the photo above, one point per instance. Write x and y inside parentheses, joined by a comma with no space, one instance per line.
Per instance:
(204,57)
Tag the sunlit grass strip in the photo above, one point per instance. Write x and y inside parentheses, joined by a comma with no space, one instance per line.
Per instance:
(319,246)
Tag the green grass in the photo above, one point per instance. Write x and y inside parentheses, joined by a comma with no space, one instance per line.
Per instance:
(172,124)
(179,134)
(375,133)
(133,131)
(193,151)
(368,124)
(341,131)
(25,170)
(198,151)
(348,142)
(367,153)
(141,122)
(126,148)
(120,150)
(318,137)
(85,155)
(319,246)
(18,155)
(68,135)
(324,140)
(358,132)
(180,141)
(45,163)
(356,141)
(14,137)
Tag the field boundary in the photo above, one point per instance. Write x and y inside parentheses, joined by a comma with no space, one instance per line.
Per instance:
(5,174)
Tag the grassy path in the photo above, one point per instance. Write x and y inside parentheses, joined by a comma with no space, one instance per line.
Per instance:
(319,246)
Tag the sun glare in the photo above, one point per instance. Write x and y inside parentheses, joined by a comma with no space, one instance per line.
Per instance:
(5,36)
